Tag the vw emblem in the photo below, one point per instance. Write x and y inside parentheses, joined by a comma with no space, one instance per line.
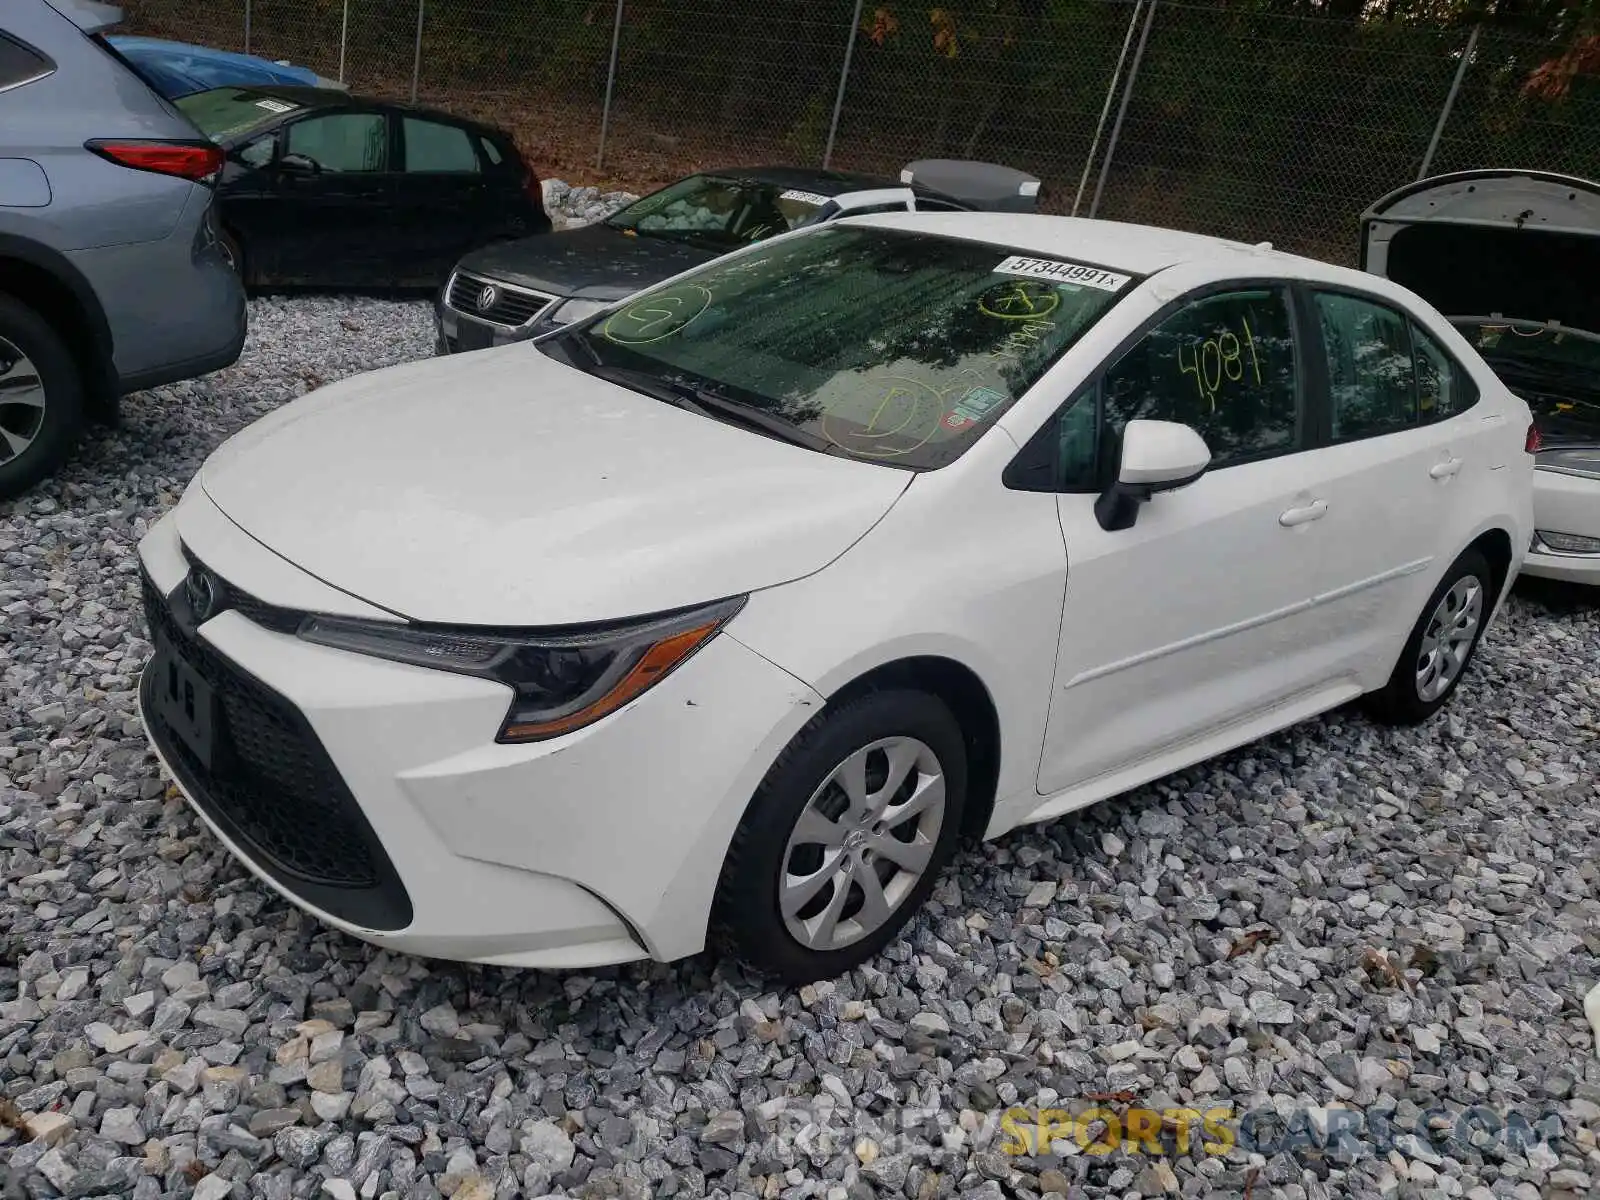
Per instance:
(204,596)
(487,297)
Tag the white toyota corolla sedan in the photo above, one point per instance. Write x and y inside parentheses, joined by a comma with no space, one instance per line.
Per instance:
(718,617)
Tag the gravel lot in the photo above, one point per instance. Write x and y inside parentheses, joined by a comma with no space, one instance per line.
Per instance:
(1396,925)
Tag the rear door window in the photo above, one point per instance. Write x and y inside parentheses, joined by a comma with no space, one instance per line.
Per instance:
(433,148)
(20,64)
(1372,382)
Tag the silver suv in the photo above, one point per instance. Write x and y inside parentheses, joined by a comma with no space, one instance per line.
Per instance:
(111,278)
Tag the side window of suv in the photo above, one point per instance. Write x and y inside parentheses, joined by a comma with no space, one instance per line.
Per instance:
(1372,382)
(1224,364)
(20,64)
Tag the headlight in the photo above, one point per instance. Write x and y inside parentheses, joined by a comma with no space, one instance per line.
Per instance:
(572,311)
(562,680)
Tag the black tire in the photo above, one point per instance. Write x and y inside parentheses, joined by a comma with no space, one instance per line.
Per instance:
(54,432)
(1400,702)
(747,922)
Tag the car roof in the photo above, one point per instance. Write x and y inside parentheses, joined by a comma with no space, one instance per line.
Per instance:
(315,97)
(1117,245)
(824,182)
(812,179)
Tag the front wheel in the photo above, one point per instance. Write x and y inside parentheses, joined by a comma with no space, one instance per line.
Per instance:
(845,837)
(1441,644)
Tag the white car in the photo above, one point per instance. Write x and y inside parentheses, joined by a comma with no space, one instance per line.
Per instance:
(1514,258)
(719,616)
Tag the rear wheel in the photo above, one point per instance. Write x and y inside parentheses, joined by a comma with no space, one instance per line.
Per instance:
(41,398)
(233,252)
(845,837)
(1441,645)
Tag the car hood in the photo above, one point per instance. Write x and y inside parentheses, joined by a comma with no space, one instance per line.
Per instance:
(595,261)
(506,488)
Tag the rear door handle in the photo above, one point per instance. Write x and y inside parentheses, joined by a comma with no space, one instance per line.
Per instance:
(1299,516)
(1445,469)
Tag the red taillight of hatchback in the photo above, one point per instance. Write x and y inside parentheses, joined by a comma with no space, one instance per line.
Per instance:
(1534,441)
(186,160)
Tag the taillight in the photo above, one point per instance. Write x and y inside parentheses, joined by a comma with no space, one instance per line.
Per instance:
(187,160)
(1535,440)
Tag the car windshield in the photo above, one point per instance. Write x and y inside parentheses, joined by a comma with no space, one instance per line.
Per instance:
(719,210)
(1554,368)
(227,112)
(879,344)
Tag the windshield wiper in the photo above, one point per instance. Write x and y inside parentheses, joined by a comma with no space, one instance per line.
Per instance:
(700,400)
(720,408)
(707,404)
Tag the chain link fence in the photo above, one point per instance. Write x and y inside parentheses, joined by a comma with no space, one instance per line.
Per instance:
(1262,125)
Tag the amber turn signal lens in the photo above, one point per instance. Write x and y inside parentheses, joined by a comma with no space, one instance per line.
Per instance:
(656,663)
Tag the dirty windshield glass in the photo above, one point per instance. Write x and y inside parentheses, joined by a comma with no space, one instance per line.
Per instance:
(226,112)
(719,211)
(879,344)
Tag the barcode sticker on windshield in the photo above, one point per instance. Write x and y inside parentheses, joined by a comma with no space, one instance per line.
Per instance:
(277,106)
(804,197)
(1063,272)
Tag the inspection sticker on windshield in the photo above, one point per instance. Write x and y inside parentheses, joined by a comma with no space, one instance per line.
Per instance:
(804,197)
(277,106)
(1063,272)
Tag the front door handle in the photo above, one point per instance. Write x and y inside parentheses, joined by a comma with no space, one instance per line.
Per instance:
(1299,516)
(1445,469)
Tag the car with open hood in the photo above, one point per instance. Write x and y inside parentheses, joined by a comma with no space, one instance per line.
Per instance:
(1513,258)
(514,290)
(719,617)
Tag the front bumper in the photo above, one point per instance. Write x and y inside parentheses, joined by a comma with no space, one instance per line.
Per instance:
(600,847)
(1570,504)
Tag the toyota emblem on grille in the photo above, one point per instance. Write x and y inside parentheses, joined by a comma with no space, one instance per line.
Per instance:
(202,592)
(487,297)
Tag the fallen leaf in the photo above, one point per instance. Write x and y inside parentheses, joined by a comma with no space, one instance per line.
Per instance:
(1250,939)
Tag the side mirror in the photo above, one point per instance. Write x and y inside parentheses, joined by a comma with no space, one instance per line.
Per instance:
(1157,456)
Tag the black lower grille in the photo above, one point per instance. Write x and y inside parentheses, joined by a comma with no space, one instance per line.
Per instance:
(271,786)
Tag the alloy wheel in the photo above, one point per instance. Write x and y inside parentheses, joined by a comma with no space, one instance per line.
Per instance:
(862,842)
(22,402)
(1447,641)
